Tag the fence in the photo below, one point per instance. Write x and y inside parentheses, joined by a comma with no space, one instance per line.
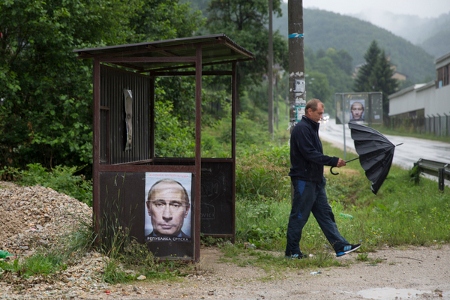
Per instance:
(436,125)
(434,168)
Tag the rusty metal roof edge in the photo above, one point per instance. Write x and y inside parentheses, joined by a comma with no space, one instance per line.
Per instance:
(230,43)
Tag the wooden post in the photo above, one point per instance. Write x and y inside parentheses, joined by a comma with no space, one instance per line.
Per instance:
(297,91)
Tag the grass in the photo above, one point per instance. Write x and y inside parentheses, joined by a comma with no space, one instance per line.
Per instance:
(404,212)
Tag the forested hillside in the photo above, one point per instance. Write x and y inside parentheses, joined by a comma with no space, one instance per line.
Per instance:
(431,34)
(325,30)
(439,44)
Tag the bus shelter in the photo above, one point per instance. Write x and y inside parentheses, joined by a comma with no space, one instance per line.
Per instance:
(126,170)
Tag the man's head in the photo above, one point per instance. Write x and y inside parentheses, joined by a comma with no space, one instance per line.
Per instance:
(314,110)
(168,205)
(357,110)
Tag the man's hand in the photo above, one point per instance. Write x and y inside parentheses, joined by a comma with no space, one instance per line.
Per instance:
(341,163)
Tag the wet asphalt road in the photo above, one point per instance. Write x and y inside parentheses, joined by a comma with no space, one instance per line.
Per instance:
(405,155)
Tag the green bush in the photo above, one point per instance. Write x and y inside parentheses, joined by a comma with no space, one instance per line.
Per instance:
(62,179)
(263,175)
(263,202)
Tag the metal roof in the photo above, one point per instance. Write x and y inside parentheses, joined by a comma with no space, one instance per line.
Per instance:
(170,54)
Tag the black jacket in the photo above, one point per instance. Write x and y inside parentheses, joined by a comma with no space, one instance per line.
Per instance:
(307,159)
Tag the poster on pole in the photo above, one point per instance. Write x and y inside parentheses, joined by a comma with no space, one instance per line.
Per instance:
(362,108)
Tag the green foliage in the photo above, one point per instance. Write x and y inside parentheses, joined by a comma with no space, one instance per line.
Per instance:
(209,241)
(246,24)
(62,179)
(263,174)
(163,20)
(9,174)
(262,223)
(327,72)
(136,258)
(40,264)
(172,137)
(46,116)
(365,80)
(414,173)
(318,87)
(375,220)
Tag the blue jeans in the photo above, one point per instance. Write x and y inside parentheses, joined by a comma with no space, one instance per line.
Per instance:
(311,197)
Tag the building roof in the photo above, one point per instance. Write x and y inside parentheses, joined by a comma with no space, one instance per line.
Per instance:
(406,90)
(170,54)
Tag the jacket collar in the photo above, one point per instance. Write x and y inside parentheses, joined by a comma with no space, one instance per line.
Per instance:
(314,124)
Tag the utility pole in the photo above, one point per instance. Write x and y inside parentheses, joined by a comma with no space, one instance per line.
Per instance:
(297,91)
(270,69)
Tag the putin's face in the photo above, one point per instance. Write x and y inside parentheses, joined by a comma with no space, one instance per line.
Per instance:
(167,208)
(357,110)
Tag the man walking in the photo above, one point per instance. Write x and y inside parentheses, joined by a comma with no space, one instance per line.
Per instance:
(307,164)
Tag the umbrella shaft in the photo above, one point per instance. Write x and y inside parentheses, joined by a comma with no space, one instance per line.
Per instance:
(347,161)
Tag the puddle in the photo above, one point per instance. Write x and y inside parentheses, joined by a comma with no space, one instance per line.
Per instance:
(392,293)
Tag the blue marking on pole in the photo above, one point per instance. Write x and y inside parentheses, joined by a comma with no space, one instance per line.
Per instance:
(295,35)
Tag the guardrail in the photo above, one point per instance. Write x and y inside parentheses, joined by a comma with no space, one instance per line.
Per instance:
(434,168)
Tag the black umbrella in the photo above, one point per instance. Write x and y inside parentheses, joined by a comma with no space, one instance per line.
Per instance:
(375,153)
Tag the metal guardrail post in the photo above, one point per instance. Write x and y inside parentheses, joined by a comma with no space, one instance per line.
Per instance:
(441,178)
(434,168)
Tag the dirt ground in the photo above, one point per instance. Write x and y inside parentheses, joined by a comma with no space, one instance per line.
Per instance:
(408,273)
(33,216)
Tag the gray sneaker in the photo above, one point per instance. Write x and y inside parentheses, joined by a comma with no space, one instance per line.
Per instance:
(295,256)
(347,249)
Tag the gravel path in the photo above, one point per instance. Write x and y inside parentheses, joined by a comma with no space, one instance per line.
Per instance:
(33,216)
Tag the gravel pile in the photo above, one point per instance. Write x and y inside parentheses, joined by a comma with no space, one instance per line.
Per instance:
(33,217)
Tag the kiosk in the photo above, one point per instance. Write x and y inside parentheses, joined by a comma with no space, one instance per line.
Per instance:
(124,161)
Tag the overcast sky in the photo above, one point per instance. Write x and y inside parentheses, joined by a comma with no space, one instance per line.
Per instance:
(421,8)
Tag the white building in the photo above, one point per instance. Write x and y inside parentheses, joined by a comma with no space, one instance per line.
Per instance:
(429,102)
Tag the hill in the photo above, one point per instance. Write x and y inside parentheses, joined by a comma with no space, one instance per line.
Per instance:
(324,29)
(439,43)
(431,34)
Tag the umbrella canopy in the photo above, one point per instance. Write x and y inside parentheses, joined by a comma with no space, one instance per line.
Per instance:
(375,153)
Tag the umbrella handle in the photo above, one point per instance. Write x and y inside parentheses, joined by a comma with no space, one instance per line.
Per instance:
(331,171)
(347,161)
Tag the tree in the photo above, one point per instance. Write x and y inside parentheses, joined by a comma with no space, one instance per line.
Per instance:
(330,68)
(246,23)
(376,76)
(384,82)
(162,19)
(363,81)
(317,87)
(46,114)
